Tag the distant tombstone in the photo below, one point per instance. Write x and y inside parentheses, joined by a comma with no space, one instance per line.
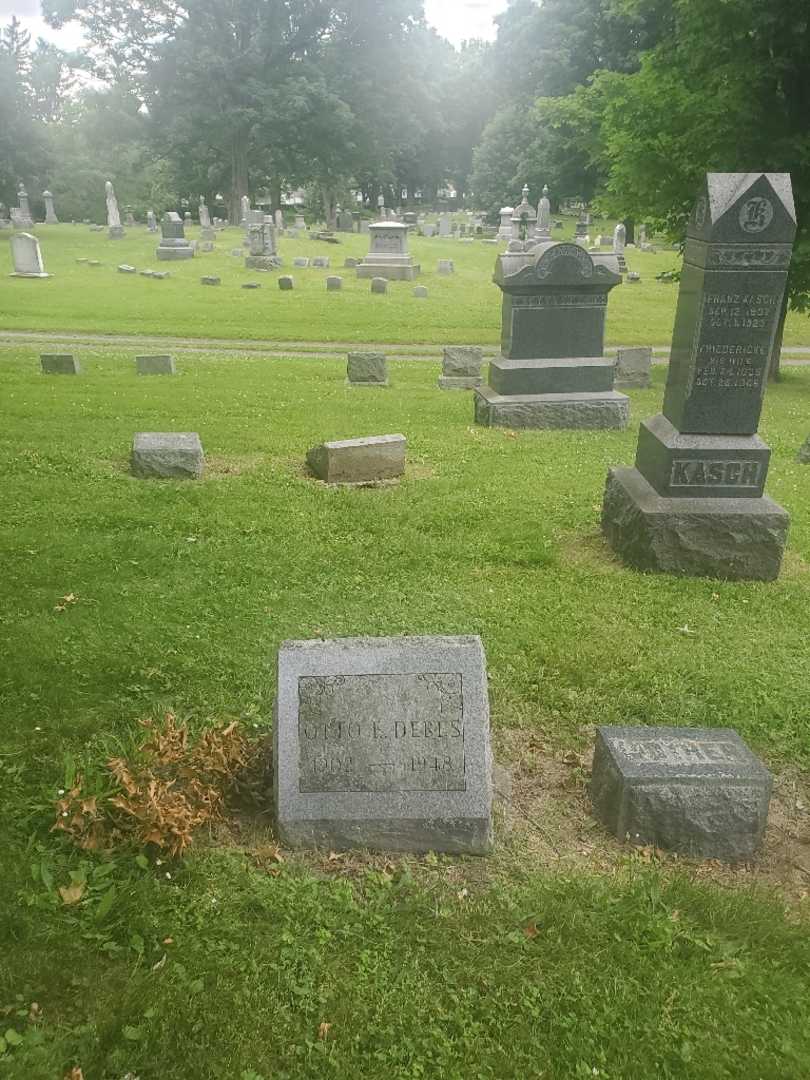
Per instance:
(151,221)
(245,205)
(300,221)
(251,285)
(633,367)
(173,244)
(446,266)
(207,233)
(321,262)
(641,239)
(286,284)
(461,367)
(445,226)
(803,456)
(367,369)
(278,220)
(155,365)
(697,791)
(125,268)
(344,221)
(50,213)
(210,279)
(381,211)
(359,461)
(262,239)
(350,264)
(384,743)
(187,220)
(694,503)
(23,217)
(334,284)
(59,364)
(379,285)
(27,256)
(175,455)
(129,217)
(300,261)
(505,226)
(619,235)
(388,254)
(115,230)
(543,230)
(428,230)
(420,292)
(524,218)
(633,277)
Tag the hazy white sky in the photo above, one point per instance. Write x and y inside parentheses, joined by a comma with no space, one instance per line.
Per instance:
(454,19)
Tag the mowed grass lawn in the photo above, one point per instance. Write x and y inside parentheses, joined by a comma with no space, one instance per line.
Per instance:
(462,308)
(228,964)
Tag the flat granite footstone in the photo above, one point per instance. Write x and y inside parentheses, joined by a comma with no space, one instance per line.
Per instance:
(155,365)
(359,461)
(367,369)
(59,364)
(698,791)
(286,283)
(300,261)
(420,292)
(383,743)
(734,539)
(252,285)
(210,279)
(177,455)
(125,268)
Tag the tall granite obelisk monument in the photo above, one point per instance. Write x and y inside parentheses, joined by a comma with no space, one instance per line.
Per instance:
(695,503)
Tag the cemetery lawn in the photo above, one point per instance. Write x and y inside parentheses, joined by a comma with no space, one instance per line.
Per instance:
(460,309)
(123,599)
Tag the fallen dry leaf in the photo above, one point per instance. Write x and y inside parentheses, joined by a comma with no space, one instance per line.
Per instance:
(530,930)
(74,1074)
(323,1030)
(34,1013)
(72,894)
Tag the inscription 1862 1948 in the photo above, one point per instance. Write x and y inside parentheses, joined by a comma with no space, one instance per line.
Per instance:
(382,733)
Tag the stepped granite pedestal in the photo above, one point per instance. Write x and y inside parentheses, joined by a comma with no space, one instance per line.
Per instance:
(551,372)
(695,502)
(173,244)
(388,255)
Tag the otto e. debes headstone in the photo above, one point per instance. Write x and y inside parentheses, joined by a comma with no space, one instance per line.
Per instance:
(384,743)
(694,503)
(551,372)
(699,791)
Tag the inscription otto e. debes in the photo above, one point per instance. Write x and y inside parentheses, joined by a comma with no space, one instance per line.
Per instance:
(410,736)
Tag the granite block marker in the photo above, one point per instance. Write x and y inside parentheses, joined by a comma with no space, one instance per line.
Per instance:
(359,461)
(174,455)
(383,743)
(699,791)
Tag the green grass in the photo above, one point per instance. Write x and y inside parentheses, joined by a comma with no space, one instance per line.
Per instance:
(463,308)
(185,592)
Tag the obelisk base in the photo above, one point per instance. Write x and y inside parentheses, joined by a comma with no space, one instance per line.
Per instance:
(587,411)
(735,539)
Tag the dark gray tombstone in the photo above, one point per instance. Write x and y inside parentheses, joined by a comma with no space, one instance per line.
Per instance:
(695,503)
(168,454)
(155,365)
(173,244)
(367,369)
(59,364)
(699,791)
(384,743)
(359,461)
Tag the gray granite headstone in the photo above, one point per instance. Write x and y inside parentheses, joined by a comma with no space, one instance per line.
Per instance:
(177,455)
(359,461)
(155,365)
(695,503)
(59,364)
(321,262)
(461,367)
(445,266)
(27,256)
(300,261)
(210,279)
(286,283)
(803,456)
(334,283)
(420,292)
(383,743)
(367,369)
(379,285)
(699,791)
(633,365)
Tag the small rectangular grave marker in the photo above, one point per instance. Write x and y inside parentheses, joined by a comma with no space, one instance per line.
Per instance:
(359,461)
(175,454)
(59,364)
(699,791)
(154,365)
(367,369)
(384,743)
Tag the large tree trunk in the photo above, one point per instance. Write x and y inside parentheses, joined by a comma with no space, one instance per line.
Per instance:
(329,208)
(239,176)
(775,359)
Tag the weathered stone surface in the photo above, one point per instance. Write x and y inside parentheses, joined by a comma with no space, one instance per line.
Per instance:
(59,364)
(445,266)
(321,262)
(571,375)
(367,369)
(359,461)
(388,256)
(462,361)
(735,539)
(694,466)
(251,285)
(699,791)
(125,268)
(584,410)
(178,455)
(27,256)
(300,261)
(334,284)
(803,456)
(173,244)
(210,279)
(459,382)
(286,283)
(350,264)
(384,743)
(262,262)
(633,367)
(420,292)
(738,249)
(155,365)
(379,285)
